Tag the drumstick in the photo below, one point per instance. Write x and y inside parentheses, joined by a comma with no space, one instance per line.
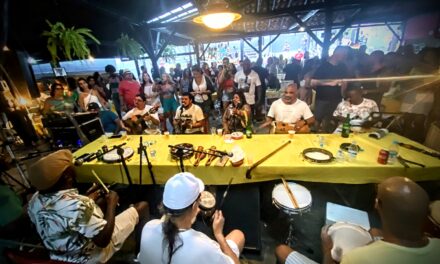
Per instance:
(100,182)
(248,172)
(225,194)
(290,193)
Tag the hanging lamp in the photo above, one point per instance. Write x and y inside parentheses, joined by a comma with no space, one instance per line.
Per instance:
(217,15)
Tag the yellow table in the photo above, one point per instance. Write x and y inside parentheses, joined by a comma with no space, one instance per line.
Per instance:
(288,162)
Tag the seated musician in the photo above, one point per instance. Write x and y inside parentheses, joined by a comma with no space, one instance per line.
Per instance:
(289,113)
(109,120)
(237,115)
(189,117)
(72,226)
(142,118)
(172,240)
(403,210)
(356,106)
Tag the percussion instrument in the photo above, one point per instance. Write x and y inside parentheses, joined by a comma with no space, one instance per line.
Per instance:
(281,200)
(317,155)
(346,237)
(432,226)
(263,159)
(237,135)
(212,156)
(283,128)
(113,156)
(207,204)
(199,156)
(187,151)
(237,156)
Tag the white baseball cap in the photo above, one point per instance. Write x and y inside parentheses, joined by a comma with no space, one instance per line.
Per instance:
(182,190)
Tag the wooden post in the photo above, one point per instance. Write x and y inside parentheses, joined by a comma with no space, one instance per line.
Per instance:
(260,47)
(327,32)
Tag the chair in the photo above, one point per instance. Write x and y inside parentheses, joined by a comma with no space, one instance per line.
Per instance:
(23,257)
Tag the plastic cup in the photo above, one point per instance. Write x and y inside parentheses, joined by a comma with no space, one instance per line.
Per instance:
(291,133)
(220,131)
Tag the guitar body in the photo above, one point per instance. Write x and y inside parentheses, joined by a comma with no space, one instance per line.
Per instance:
(137,123)
(283,128)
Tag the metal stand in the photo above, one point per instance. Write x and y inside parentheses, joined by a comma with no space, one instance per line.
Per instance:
(179,154)
(121,156)
(143,149)
(17,165)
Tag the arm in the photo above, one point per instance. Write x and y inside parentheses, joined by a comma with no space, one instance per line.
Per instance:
(268,122)
(100,98)
(154,118)
(217,226)
(326,244)
(81,102)
(225,122)
(103,238)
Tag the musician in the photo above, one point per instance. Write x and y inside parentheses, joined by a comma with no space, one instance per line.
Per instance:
(172,240)
(189,117)
(142,118)
(109,120)
(72,226)
(237,116)
(289,111)
(403,209)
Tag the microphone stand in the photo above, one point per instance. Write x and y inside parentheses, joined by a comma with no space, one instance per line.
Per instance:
(121,155)
(143,149)
(179,153)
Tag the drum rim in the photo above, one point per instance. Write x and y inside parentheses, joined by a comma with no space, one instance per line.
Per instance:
(280,206)
(188,155)
(291,208)
(324,151)
(204,208)
(119,159)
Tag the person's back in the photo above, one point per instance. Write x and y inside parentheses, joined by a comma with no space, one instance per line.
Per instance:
(387,253)
(196,247)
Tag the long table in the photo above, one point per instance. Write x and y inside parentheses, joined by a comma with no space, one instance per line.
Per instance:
(288,162)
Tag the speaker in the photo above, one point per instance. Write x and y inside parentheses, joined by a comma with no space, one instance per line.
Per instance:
(20,72)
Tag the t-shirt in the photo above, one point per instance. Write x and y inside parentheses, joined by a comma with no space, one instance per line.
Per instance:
(361,110)
(196,247)
(108,119)
(194,113)
(292,72)
(286,113)
(128,90)
(383,252)
(252,81)
(329,71)
(135,112)
(66,222)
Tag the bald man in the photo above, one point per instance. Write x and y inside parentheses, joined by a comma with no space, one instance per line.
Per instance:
(402,207)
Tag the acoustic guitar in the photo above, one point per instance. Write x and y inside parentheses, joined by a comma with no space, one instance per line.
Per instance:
(283,128)
(136,123)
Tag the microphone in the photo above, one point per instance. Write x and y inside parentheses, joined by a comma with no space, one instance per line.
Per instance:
(225,153)
(84,158)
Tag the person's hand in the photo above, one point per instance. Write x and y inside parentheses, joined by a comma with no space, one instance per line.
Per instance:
(218,223)
(326,240)
(112,198)
(235,111)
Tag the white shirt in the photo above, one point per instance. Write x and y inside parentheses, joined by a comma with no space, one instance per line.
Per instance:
(91,98)
(361,110)
(195,113)
(289,113)
(135,111)
(197,247)
(252,80)
(199,88)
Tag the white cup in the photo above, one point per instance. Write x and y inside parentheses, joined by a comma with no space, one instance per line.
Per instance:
(220,131)
(291,133)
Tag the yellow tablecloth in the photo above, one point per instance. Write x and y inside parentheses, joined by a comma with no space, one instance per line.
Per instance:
(287,162)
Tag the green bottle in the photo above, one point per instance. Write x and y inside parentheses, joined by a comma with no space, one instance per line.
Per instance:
(249,130)
(346,127)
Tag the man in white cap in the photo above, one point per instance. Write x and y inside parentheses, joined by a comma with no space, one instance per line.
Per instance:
(128,89)
(72,226)
(172,240)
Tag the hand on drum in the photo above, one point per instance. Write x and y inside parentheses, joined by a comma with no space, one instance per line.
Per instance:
(326,240)
(217,223)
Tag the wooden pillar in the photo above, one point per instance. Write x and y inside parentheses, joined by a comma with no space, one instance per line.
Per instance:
(327,32)
(241,49)
(260,47)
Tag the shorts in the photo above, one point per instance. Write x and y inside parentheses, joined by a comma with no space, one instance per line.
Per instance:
(298,258)
(125,223)
(233,247)
(169,105)
(325,109)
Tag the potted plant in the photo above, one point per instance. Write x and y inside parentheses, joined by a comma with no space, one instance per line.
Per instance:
(71,42)
(128,47)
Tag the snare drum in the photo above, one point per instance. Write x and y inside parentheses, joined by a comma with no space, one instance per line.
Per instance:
(346,237)
(281,200)
(207,204)
(112,156)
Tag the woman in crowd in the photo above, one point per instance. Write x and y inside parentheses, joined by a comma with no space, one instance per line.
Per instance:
(185,81)
(201,88)
(150,89)
(89,95)
(95,85)
(237,115)
(57,102)
(168,95)
(225,84)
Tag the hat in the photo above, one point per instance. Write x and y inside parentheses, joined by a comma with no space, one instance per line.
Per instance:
(126,71)
(93,106)
(44,173)
(182,190)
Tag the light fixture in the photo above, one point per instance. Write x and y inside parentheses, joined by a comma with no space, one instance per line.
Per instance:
(217,15)
(301,29)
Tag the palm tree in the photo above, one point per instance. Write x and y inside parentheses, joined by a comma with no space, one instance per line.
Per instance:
(128,47)
(70,41)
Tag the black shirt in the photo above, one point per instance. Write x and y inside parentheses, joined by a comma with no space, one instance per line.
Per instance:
(292,72)
(329,71)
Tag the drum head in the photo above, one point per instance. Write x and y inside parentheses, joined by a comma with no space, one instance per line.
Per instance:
(317,155)
(302,195)
(207,200)
(187,152)
(345,237)
(113,156)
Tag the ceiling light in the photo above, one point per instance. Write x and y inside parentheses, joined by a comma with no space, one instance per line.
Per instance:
(216,15)
(301,29)
(5,48)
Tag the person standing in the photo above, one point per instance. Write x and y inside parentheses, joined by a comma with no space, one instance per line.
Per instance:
(261,94)
(249,83)
(293,71)
(89,95)
(128,89)
(201,89)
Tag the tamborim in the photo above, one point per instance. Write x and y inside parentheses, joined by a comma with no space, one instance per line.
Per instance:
(112,156)
(281,200)
(188,151)
(317,155)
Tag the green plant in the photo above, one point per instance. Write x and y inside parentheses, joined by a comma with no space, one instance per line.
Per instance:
(169,53)
(71,42)
(129,47)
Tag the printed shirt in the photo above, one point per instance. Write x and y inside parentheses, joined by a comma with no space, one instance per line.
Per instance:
(361,110)
(66,222)
(252,81)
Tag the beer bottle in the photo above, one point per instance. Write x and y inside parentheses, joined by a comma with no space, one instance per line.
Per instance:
(346,127)
(249,129)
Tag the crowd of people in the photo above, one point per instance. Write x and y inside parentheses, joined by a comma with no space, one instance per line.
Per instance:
(316,94)
(79,228)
